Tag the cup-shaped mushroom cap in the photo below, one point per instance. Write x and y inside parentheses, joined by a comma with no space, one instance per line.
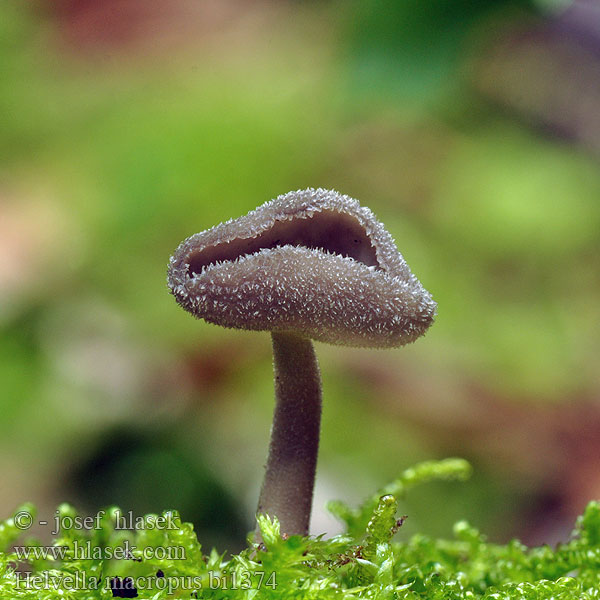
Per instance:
(312,262)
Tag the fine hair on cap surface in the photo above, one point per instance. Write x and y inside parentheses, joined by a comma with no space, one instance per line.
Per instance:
(313,262)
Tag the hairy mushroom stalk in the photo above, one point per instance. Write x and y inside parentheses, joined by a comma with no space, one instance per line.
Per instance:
(311,264)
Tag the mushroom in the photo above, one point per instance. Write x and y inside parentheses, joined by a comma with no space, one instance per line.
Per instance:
(310,265)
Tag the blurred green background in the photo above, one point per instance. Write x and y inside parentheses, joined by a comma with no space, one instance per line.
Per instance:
(471,128)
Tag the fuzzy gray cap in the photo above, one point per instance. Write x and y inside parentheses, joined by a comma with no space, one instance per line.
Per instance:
(312,262)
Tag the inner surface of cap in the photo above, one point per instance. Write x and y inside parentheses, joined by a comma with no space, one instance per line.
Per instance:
(330,231)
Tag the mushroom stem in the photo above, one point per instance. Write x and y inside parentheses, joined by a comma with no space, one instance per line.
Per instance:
(287,488)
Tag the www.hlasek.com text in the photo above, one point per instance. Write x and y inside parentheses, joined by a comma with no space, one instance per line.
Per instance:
(87,551)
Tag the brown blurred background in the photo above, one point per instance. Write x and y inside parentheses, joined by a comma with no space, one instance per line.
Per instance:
(471,128)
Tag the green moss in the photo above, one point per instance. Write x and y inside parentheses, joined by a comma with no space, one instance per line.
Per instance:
(162,558)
